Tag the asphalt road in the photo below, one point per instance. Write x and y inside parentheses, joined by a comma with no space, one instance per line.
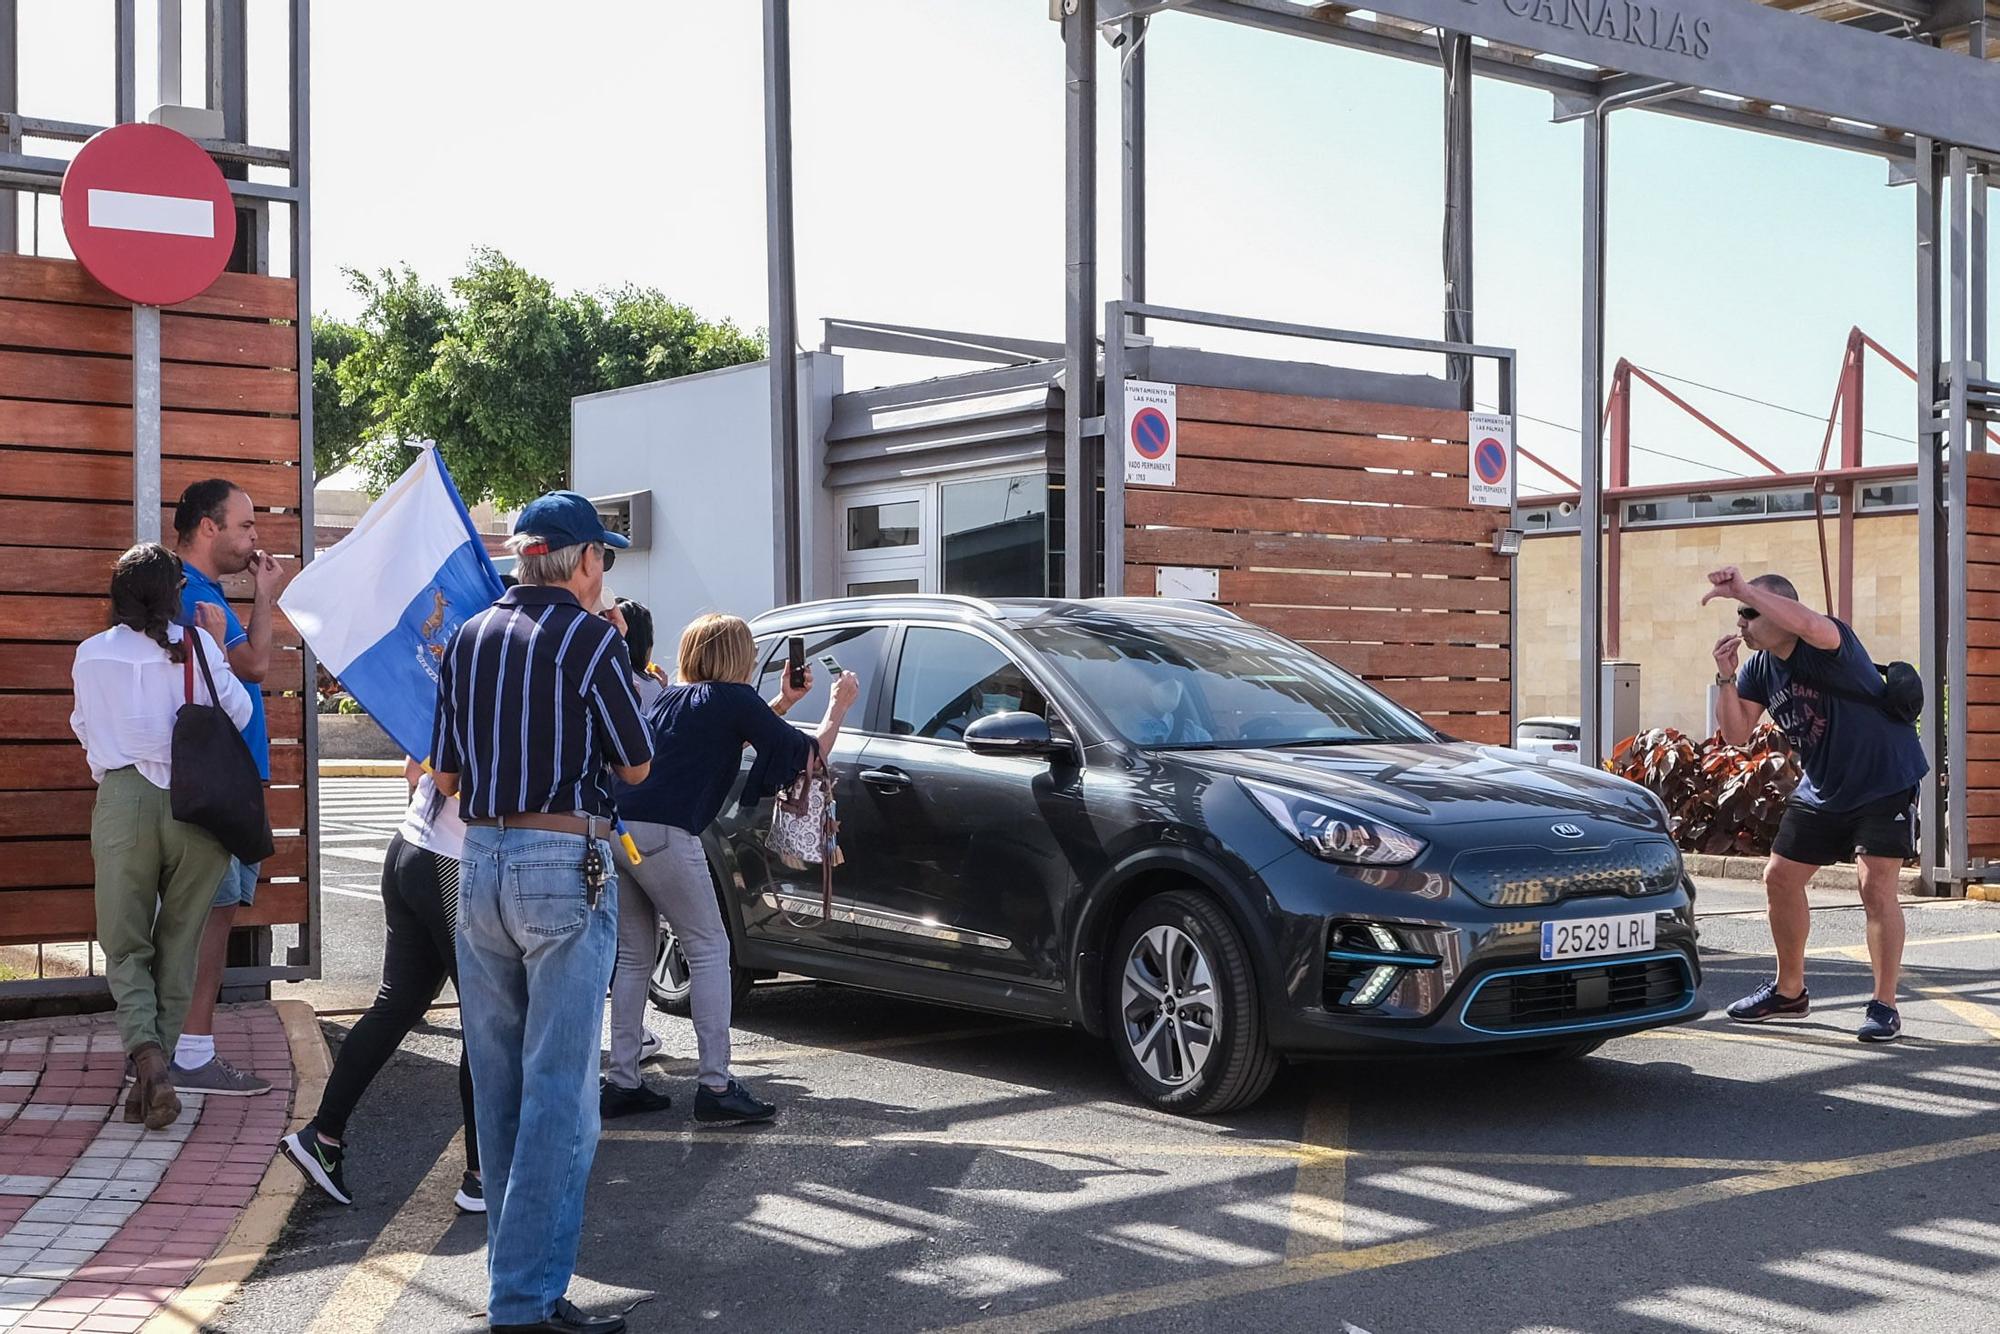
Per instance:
(934,1169)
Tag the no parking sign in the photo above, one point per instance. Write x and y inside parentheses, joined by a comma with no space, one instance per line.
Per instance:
(1490,454)
(1152,433)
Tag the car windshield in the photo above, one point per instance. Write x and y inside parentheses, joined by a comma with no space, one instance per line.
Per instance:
(1186,685)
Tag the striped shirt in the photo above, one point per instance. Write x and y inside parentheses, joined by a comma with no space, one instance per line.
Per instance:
(535,698)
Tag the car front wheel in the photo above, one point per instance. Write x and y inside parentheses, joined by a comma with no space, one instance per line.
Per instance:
(670,985)
(1185,1024)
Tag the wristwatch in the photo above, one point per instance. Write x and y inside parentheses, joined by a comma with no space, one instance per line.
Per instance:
(1724,679)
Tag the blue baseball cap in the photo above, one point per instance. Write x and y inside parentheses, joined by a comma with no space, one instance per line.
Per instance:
(566,519)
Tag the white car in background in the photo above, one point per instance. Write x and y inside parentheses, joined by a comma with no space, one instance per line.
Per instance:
(1550,736)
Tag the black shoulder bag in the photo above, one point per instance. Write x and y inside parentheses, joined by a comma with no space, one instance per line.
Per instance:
(1902,696)
(216,785)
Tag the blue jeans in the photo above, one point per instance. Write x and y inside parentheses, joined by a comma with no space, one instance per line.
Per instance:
(534,961)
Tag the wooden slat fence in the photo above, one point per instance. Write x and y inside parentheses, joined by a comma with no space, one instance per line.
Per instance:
(230,387)
(1982,627)
(1343,525)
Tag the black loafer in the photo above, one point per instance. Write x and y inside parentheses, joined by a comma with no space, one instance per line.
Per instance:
(566,1319)
(734,1104)
(616,1100)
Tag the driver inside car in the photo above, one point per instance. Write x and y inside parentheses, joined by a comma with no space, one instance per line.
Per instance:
(1168,717)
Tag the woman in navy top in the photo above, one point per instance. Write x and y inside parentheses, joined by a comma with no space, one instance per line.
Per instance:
(700,725)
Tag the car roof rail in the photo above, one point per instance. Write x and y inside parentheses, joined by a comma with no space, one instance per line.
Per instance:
(1177,604)
(900,601)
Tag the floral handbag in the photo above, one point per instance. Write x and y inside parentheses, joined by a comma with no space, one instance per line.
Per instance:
(804,831)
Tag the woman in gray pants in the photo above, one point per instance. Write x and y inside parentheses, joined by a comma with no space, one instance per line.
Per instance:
(700,725)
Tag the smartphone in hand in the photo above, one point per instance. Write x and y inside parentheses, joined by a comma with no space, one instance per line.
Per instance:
(795,662)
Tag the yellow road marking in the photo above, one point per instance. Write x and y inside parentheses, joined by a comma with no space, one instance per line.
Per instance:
(365,1297)
(1305,1154)
(772,1055)
(1319,1191)
(1973,1013)
(1326,1264)
(1860,952)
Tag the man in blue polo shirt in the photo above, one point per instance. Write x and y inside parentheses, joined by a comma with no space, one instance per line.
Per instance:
(215,531)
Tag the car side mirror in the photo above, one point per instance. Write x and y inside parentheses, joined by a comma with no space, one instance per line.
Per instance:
(1013,734)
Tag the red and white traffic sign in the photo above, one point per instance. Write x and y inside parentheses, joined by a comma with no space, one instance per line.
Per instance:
(148,213)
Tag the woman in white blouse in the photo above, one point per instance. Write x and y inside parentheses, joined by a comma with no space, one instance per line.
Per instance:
(155,875)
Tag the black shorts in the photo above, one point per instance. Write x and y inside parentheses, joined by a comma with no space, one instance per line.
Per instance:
(1884,828)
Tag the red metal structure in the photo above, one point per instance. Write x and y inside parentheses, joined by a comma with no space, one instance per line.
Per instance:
(1841,480)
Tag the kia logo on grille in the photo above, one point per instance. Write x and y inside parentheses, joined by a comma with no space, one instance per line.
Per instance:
(1566,831)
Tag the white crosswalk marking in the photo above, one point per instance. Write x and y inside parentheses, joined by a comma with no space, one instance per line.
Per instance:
(357,819)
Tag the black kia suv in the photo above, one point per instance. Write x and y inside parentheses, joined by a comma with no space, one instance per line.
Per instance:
(1201,842)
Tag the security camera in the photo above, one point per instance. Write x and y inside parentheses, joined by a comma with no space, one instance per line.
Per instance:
(1566,508)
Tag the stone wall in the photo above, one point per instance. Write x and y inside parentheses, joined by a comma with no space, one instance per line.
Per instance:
(1669,634)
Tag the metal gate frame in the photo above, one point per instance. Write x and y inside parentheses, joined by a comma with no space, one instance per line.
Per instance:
(227,91)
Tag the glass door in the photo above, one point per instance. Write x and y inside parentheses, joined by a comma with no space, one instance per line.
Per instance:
(885,541)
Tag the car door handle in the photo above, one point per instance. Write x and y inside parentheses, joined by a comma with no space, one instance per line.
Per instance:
(888,780)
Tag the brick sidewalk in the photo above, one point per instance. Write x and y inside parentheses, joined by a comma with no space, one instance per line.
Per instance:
(101,1222)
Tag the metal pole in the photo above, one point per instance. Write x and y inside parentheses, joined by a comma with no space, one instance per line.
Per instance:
(1080,309)
(1114,449)
(1455,51)
(1931,576)
(170,52)
(1975,38)
(125,36)
(228,71)
(1590,498)
(1507,403)
(301,173)
(10,102)
(783,282)
(145,423)
(1957,703)
(1132,104)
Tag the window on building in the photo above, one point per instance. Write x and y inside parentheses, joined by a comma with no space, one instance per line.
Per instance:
(882,527)
(1738,506)
(1892,495)
(877,586)
(1549,519)
(996,536)
(1665,510)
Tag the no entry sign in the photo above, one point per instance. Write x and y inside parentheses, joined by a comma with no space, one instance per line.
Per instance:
(148,213)
(1491,459)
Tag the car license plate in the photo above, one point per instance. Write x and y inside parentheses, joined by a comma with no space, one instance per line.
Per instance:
(1593,936)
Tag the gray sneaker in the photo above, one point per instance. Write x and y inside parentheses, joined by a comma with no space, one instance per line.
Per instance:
(219,1078)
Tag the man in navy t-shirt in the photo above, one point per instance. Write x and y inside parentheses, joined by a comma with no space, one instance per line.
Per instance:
(1857,798)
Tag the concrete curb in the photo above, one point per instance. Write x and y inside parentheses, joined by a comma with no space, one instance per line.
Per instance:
(216,1282)
(1842,876)
(360,768)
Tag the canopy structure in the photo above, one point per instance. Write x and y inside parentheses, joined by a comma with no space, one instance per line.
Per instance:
(1909,81)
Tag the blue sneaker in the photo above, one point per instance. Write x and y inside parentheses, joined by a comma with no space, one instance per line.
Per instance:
(1882,1023)
(1765,1003)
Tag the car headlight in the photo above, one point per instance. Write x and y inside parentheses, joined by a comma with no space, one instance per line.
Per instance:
(1333,832)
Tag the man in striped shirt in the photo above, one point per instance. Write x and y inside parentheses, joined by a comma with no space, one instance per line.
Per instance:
(535,702)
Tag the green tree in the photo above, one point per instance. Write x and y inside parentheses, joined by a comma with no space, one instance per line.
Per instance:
(340,424)
(488,370)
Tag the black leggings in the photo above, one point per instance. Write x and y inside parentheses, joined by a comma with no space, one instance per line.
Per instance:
(420,901)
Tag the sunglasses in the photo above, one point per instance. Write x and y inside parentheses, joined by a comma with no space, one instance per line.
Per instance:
(1747,613)
(610,554)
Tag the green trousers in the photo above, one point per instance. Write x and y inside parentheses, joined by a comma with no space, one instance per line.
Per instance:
(156,878)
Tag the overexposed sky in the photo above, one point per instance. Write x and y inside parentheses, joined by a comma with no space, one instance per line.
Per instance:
(605,141)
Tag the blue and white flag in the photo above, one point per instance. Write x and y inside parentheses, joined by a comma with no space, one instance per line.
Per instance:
(381,605)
